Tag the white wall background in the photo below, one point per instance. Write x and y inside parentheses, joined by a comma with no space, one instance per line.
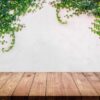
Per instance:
(47,45)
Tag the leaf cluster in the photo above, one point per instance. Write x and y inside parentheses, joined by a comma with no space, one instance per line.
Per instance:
(91,7)
(10,12)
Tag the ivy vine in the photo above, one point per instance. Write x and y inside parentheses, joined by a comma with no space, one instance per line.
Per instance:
(96,26)
(77,7)
(10,12)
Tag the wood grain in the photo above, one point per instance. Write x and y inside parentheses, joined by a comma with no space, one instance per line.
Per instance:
(84,86)
(94,80)
(54,85)
(70,87)
(8,88)
(49,86)
(24,85)
(39,85)
(3,78)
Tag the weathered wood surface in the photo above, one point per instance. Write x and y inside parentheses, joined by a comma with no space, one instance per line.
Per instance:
(50,86)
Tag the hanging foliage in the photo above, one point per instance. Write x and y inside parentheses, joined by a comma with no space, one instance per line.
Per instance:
(77,7)
(10,12)
(96,26)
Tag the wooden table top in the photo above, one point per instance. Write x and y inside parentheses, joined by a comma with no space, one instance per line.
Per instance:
(63,86)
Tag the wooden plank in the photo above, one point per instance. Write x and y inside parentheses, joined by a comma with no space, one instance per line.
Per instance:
(98,74)
(1,73)
(10,85)
(54,85)
(60,86)
(94,80)
(84,86)
(3,78)
(39,85)
(70,87)
(24,85)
